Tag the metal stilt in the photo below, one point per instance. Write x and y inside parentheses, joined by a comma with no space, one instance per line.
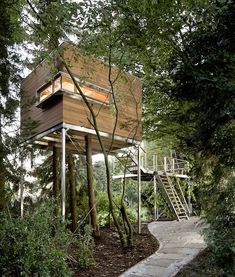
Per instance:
(63,151)
(139,192)
(155,195)
(21,190)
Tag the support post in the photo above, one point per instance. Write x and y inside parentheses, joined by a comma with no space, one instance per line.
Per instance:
(21,190)
(72,191)
(63,153)
(139,191)
(154,162)
(145,160)
(165,164)
(90,183)
(189,198)
(155,195)
(55,166)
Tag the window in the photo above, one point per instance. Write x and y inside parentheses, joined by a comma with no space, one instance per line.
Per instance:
(65,83)
(48,89)
(95,94)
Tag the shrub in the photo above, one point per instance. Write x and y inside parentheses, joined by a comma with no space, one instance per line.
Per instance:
(220,236)
(36,244)
(85,244)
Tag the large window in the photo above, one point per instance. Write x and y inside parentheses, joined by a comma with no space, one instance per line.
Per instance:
(63,83)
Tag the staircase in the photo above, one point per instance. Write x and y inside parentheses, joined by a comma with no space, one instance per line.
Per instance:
(172,195)
(129,160)
(175,197)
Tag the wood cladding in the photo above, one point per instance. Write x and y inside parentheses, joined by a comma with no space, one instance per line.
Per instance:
(43,119)
(72,110)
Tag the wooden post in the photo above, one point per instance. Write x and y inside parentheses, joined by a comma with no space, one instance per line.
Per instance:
(55,169)
(73,195)
(63,153)
(90,183)
(139,191)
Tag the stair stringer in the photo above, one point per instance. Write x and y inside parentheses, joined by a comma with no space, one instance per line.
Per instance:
(177,204)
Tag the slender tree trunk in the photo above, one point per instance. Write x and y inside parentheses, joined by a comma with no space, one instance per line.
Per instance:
(108,175)
(126,221)
(91,192)
(73,194)
(2,170)
(56,181)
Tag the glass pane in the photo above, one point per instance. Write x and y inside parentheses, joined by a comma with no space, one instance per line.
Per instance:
(45,92)
(57,84)
(67,84)
(95,94)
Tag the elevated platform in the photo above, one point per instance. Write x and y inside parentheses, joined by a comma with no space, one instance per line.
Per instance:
(148,176)
(75,139)
(159,165)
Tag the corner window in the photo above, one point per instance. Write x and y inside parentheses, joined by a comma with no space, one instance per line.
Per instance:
(64,83)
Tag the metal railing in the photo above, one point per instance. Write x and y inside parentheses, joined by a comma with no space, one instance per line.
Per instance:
(155,162)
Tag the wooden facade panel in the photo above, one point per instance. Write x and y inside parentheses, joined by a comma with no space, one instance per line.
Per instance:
(73,111)
(30,114)
(127,90)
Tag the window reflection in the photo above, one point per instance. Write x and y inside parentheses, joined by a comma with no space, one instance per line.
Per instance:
(66,84)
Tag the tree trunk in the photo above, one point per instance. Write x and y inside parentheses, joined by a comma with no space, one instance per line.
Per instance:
(91,193)
(73,195)
(56,181)
(2,171)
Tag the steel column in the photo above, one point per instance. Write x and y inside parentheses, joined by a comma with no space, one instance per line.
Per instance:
(139,191)
(63,169)
(21,190)
(155,195)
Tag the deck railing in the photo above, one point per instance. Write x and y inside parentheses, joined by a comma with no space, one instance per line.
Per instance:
(155,162)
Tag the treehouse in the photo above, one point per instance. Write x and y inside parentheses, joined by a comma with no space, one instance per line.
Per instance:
(75,102)
(51,102)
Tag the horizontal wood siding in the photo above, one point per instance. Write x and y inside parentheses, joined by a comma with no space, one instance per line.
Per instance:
(72,110)
(127,90)
(31,115)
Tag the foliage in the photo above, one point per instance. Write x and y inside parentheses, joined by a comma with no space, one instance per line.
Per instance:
(103,209)
(11,33)
(185,51)
(36,244)
(85,245)
(220,235)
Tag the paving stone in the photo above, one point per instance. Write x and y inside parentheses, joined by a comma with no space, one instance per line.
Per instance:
(160,262)
(179,250)
(179,242)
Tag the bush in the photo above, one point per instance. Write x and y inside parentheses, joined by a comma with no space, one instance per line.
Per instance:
(220,236)
(85,245)
(103,210)
(36,244)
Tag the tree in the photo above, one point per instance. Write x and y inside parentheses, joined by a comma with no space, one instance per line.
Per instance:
(11,34)
(194,81)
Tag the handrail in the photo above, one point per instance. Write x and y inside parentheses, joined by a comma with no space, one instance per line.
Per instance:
(182,194)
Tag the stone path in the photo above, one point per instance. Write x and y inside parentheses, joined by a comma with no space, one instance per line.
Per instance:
(179,242)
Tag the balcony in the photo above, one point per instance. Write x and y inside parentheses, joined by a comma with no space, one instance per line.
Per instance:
(63,84)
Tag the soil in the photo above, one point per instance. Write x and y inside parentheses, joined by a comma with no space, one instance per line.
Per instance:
(112,260)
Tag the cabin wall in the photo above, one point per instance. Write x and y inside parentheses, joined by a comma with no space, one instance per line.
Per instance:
(72,110)
(40,119)
(128,94)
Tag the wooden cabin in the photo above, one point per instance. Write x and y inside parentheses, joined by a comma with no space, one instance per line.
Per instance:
(50,101)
